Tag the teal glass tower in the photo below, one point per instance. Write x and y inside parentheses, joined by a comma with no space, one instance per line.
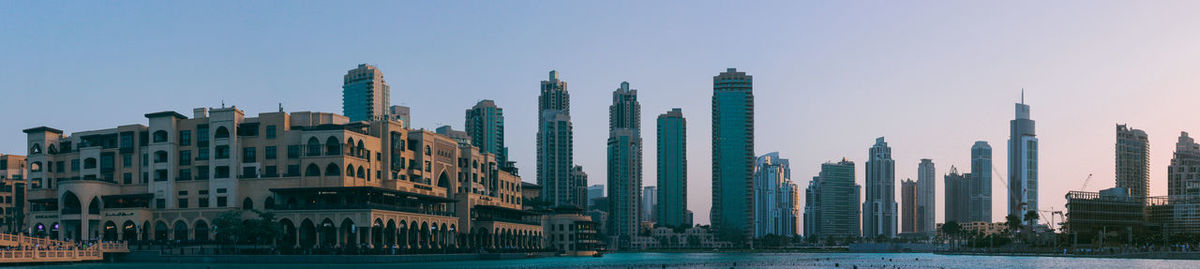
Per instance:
(733,155)
(672,170)
(555,147)
(485,126)
(365,95)
(624,165)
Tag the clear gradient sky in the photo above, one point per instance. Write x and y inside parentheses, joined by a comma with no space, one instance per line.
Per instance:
(931,76)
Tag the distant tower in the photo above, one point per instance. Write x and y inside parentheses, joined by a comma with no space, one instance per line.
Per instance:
(485,125)
(400,113)
(957,196)
(981,182)
(624,165)
(672,170)
(1022,163)
(831,203)
(774,204)
(908,206)
(365,95)
(1181,176)
(1133,161)
(556,170)
(733,155)
(926,197)
(879,210)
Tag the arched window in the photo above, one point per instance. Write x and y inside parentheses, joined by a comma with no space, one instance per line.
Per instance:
(332,170)
(160,136)
(35,167)
(314,147)
(312,171)
(359,150)
(332,147)
(222,132)
(94,206)
(350,145)
(247,204)
(269,203)
(428,152)
(89,163)
(71,204)
(360,173)
(35,149)
(349,170)
(52,149)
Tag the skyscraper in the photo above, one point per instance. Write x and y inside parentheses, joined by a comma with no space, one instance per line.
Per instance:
(831,203)
(981,182)
(879,210)
(1022,163)
(555,147)
(733,155)
(926,197)
(1182,174)
(672,170)
(649,203)
(957,196)
(400,113)
(485,125)
(594,191)
(365,95)
(1133,161)
(624,164)
(908,206)
(774,204)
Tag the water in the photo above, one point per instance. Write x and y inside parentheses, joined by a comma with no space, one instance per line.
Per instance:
(722,260)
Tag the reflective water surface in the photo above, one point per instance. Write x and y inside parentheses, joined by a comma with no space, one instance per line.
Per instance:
(725,260)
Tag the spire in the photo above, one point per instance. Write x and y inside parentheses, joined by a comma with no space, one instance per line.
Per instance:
(1022,95)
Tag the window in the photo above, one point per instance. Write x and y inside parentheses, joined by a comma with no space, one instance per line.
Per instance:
(428,152)
(127,160)
(249,172)
(222,201)
(333,146)
(185,157)
(185,138)
(160,156)
(247,129)
(248,155)
(74,165)
(221,172)
(127,178)
(221,133)
(271,171)
(160,175)
(314,147)
(428,167)
(202,202)
(293,170)
(35,167)
(202,135)
(270,131)
(202,172)
(126,140)
(332,170)
(160,136)
(160,203)
(182,203)
(202,153)
(312,170)
(35,149)
(293,151)
(185,174)
(222,152)
(269,152)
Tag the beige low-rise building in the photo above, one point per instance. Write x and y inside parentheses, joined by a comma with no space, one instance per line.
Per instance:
(330,182)
(691,238)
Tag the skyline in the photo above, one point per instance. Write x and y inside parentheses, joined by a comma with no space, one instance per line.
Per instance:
(1077,139)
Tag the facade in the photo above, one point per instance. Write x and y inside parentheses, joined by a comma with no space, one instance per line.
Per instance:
(1110,211)
(879,209)
(624,165)
(330,182)
(957,196)
(12,193)
(691,238)
(908,206)
(733,155)
(774,197)
(671,207)
(402,114)
(981,182)
(926,197)
(571,232)
(555,146)
(983,227)
(649,203)
(485,125)
(831,202)
(365,95)
(1183,187)
(1022,163)
(1133,161)
(594,192)
(578,177)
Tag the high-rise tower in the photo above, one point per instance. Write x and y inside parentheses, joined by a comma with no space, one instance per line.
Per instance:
(555,147)
(624,165)
(672,170)
(926,197)
(485,125)
(1022,163)
(981,182)
(733,155)
(365,95)
(879,210)
(1133,161)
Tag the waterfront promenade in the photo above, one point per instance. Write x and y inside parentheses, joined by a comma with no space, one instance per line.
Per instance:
(25,249)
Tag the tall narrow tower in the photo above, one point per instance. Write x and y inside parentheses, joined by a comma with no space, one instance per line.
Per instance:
(1133,161)
(555,148)
(485,125)
(926,197)
(981,182)
(624,165)
(879,210)
(1022,163)
(365,95)
(733,155)
(672,170)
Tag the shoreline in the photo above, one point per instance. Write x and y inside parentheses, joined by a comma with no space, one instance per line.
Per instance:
(156,257)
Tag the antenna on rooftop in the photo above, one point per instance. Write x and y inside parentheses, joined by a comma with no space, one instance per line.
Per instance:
(1022,95)
(280,107)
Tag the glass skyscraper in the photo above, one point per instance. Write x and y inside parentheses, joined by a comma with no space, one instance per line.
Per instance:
(733,155)
(831,203)
(365,95)
(1022,163)
(624,165)
(879,210)
(485,125)
(555,147)
(981,182)
(672,170)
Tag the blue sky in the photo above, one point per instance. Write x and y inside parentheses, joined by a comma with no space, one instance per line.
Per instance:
(931,76)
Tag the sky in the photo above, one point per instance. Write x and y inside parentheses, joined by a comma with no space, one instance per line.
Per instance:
(829,76)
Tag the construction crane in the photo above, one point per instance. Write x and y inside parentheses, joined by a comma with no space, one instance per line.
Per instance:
(1085,182)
